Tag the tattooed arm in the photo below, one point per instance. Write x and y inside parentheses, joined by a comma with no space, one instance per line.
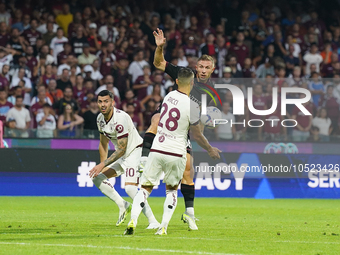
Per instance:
(120,151)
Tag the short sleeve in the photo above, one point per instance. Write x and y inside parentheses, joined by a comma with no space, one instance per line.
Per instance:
(172,70)
(121,128)
(194,113)
(98,125)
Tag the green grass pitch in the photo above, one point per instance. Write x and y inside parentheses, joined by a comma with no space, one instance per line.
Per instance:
(80,225)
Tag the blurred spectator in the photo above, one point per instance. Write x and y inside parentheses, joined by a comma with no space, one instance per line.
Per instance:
(239,48)
(70,61)
(50,23)
(136,67)
(31,35)
(93,40)
(328,69)
(324,123)
(4,84)
(65,18)
(331,104)
(79,42)
(265,69)
(64,80)
(4,105)
(326,53)
(259,102)
(108,32)
(85,101)
(78,89)
(273,131)
(68,121)
(90,116)
(225,132)
(121,77)
(155,96)
(20,115)
(94,72)
(46,76)
(86,58)
(49,34)
(41,95)
(66,100)
(46,123)
(17,91)
(248,70)
(290,60)
(148,113)
(312,57)
(142,83)
(190,48)
(236,69)
(209,47)
(109,80)
(4,35)
(315,135)
(137,122)
(5,16)
(26,86)
(304,122)
(316,87)
(107,58)
(64,53)
(182,60)
(57,44)
(53,93)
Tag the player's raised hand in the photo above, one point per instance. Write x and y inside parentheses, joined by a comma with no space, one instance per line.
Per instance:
(159,37)
(96,170)
(214,153)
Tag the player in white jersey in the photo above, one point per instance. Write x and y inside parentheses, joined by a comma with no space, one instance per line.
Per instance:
(116,126)
(168,151)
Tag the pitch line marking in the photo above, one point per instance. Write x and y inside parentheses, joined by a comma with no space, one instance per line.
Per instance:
(120,248)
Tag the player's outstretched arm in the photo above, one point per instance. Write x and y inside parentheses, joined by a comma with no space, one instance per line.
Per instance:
(159,60)
(103,147)
(213,152)
(120,151)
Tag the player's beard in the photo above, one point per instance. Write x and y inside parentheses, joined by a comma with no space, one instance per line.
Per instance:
(107,113)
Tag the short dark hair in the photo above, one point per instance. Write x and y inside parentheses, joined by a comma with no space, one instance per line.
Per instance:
(19,97)
(46,105)
(129,104)
(185,73)
(104,93)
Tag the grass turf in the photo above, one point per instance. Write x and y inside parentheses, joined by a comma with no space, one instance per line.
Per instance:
(79,225)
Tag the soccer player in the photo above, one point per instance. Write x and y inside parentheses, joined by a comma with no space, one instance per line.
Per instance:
(117,126)
(204,68)
(172,131)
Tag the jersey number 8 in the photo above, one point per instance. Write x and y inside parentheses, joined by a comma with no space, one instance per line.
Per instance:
(170,119)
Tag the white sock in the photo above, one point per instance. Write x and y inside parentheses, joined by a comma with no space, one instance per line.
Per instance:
(138,203)
(132,190)
(190,212)
(169,207)
(108,190)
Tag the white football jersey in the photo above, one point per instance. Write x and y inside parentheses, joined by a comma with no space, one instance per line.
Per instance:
(120,125)
(177,113)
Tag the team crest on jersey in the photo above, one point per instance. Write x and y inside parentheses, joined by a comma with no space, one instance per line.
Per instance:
(102,124)
(161,138)
(119,128)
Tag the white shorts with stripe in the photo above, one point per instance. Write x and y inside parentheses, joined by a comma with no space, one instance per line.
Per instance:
(173,166)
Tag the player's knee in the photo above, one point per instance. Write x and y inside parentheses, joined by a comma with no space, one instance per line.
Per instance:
(98,179)
(131,190)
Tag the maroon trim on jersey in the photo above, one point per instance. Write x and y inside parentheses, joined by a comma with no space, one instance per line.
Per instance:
(181,92)
(166,65)
(141,145)
(122,136)
(166,153)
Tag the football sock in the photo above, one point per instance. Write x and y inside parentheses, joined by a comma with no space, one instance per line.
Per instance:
(169,207)
(138,203)
(190,211)
(147,143)
(132,190)
(188,192)
(108,190)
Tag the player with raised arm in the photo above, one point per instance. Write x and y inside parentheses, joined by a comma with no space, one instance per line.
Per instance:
(178,112)
(204,68)
(117,126)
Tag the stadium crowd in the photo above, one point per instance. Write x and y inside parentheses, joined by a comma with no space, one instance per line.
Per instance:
(56,56)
